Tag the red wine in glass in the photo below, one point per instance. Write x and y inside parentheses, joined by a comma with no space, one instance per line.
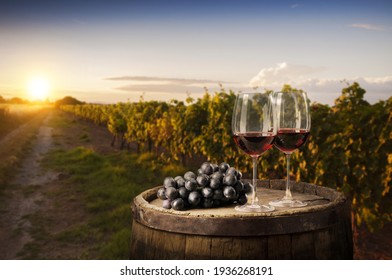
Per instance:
(288,140)
(254,129)
(254,143)
(294,120)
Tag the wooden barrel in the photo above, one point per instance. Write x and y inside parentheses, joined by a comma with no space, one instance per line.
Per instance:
(321,230)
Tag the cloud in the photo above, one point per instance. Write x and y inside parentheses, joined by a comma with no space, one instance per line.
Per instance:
(162,80)
(155,86)
(283,73)
(294,6)
(367,26)
(163,88)
(319,89)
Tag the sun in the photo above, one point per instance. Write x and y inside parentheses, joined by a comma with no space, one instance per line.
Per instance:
(38,88)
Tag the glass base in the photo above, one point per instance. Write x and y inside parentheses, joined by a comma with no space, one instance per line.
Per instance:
(254,208)
(288,203)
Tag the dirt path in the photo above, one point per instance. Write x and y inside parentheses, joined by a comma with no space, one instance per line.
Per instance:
(25,196)
(38,207)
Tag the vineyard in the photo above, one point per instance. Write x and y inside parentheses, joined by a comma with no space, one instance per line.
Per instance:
(350,147)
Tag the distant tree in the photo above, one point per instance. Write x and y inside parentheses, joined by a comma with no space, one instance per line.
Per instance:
(352,97)
(2,100)
(16,100)
(68,100)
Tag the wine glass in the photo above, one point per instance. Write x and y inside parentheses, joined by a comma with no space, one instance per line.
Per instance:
(293,121)
(254,128)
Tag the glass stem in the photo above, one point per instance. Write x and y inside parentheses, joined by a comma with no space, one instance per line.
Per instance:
(254,192)
(288,195)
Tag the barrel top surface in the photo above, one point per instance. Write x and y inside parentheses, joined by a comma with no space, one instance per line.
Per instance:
(265,195)
(321,210)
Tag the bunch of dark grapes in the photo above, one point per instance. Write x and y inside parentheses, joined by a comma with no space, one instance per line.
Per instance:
(213,186)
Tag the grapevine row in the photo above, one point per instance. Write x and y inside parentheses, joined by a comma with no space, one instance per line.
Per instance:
(349,149)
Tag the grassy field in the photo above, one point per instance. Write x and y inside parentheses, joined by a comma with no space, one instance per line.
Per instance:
(107,185)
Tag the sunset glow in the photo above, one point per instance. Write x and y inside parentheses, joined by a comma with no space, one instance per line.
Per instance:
(38,89)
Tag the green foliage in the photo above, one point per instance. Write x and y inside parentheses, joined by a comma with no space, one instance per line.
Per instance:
(108,184)
(349,149)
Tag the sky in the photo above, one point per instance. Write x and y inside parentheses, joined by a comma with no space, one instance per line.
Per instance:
(117,50)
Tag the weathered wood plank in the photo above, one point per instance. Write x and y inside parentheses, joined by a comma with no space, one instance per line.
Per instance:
(322,244)
(254,248)
(140,240)
(302,246)
(279,247)
(168,245)
(223,248)
(197,247)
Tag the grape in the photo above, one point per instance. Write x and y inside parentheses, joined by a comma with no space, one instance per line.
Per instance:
(232,170)
(169,182)
(178,204)
(214,184)
(229,180)
(229,192)
(247,187)
(166,204)
(161,193)
(239,175)
(217,203)
(223,167)
(225,200)
(202,180)
(215,167)
(191,185)
(171,193)
(180,181)
(183,193)
(218,195)
(189,175)
(177,178)
(194,198)
(207,192)
(208,202)
(207,168)
(186,203)
(218,176)
(239,187)
(242,199)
